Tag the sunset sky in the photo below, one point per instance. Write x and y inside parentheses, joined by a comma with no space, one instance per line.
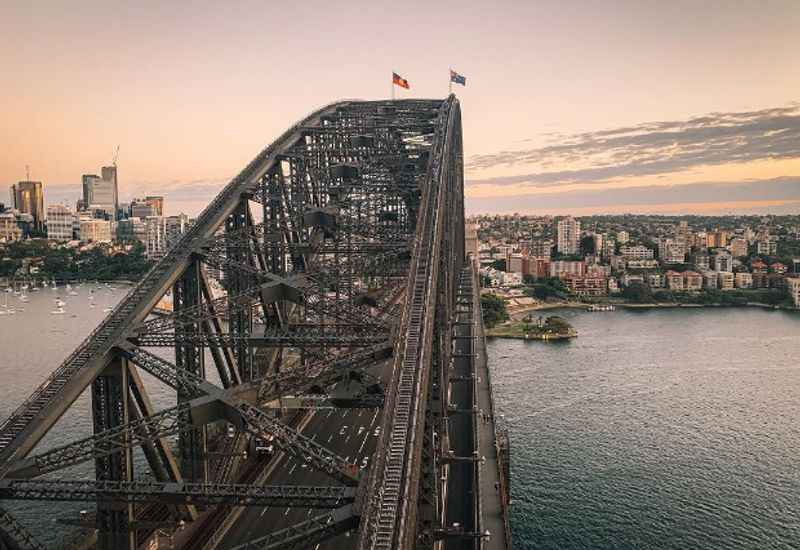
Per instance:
(583,107)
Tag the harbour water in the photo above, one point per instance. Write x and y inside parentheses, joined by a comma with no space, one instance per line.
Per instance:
(659,429)
(669,429)
(33,342)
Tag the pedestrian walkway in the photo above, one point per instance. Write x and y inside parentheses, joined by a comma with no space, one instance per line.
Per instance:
(491,490)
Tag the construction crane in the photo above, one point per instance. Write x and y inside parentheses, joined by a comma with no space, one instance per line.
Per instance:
(114,160)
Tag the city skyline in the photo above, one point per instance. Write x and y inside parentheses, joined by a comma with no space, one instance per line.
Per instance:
(555,123)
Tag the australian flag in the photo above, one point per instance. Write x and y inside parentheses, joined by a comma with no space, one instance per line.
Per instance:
(457,78)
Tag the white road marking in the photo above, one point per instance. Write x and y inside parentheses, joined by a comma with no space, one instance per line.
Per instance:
(330,437)
(264,511)
(286,513)
(293,469)
(366,435)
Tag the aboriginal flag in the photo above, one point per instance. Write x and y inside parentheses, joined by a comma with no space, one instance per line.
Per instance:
(400,81)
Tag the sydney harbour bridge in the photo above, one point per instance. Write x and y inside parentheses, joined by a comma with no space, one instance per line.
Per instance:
(326,283)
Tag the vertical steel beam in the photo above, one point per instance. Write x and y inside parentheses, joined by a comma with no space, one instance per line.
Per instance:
(186,293)
(111,408)
(240,319)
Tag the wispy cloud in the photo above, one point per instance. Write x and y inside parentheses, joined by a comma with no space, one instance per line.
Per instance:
(652,148)
(775,191)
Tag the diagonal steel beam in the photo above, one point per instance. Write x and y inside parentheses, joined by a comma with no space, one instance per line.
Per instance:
(16,536)
(291,441)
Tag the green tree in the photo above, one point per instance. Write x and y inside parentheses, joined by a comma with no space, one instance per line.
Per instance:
(638,293)
(499,265)
(494,310)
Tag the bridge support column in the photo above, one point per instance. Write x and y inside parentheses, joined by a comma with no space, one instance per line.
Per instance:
(186,293)
(240,319)
(111,408)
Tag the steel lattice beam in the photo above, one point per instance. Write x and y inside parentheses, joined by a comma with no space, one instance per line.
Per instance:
(178,493)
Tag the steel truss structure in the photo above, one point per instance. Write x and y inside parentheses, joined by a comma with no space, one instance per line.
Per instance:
(336,250)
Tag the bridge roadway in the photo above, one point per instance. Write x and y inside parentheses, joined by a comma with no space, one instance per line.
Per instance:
(325,427)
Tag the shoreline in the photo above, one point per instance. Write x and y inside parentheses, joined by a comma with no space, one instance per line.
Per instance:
(651,305)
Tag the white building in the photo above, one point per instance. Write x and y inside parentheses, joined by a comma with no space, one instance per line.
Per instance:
(623,237)
(176,226)
(155,237)
(9,228)
(569,235)
(60,222)
(723,261)
(671,251)
(793,286)
(710,279)
(637,252)
(725,279)
(94,230)
(738,247)
(743,280)
(767,245)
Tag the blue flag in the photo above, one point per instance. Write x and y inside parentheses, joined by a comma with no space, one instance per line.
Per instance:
(457,78)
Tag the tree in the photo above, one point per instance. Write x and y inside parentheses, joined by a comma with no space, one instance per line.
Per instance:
(638,293)
(551,287)
(587,244)
(494,310)
(499,265)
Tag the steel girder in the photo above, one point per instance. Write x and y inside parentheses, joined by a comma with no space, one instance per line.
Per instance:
(19,538)
(347,208)
(178,493)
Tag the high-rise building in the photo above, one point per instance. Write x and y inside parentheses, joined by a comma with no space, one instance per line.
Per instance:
(28,198)
(623,237)
(157,204)
(109,174)
(155,238)
(176,226)
(738,247)
(95,230)
(87,185)
(723,261)
(767,245)
(141,209)
(568,232)
(60,222)
(104,197)
(671,251)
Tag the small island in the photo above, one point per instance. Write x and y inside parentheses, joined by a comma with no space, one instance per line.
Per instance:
(550,328)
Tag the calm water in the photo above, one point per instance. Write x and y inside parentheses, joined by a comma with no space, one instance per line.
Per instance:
(32,344)
(652,430)
(655,430)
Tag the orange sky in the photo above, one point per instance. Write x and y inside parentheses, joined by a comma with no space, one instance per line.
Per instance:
(192,94)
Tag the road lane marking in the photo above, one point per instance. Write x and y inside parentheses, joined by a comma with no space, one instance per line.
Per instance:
(286,513)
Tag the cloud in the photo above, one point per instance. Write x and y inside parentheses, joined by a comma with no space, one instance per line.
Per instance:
(653,148)
(784,190)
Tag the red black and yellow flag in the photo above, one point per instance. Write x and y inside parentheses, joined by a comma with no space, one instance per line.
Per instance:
(400,81)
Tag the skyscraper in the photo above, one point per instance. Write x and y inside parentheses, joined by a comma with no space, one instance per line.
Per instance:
(157,203)
(109,176)
(569,235)
(87,181)
(29,199)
